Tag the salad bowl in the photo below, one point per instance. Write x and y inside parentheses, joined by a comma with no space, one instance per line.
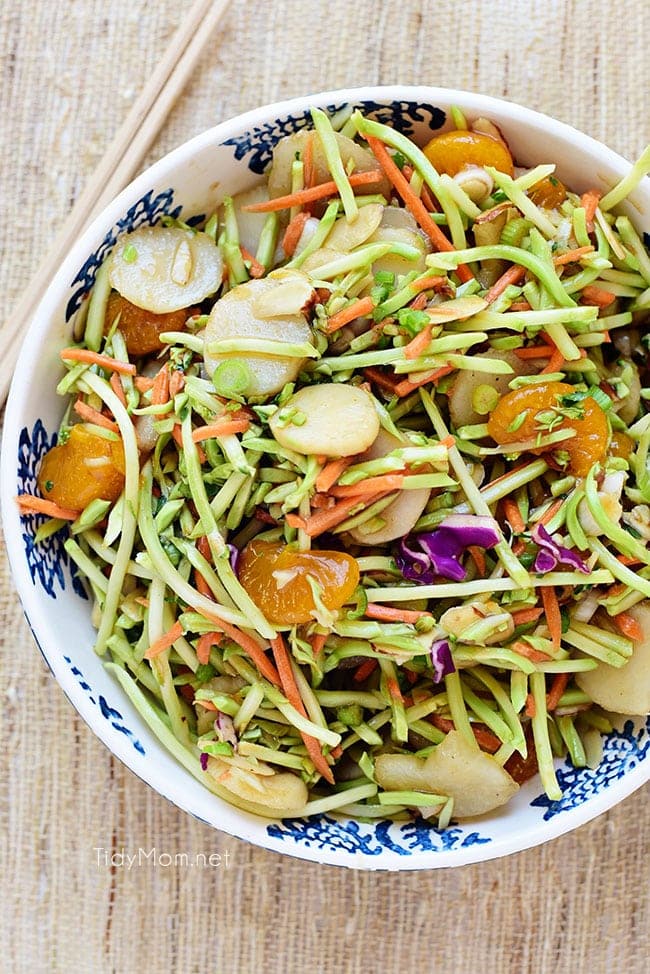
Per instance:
(188,184)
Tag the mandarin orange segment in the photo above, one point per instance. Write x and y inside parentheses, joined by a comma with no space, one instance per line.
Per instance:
(276,578)
(535,410)
(621,445)
(548,192)
(85,468)
(453,151)
(142,328)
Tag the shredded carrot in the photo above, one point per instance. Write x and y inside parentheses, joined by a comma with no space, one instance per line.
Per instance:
(558,687)
(418,345)
(292,693)
(38,505)
(165,641)
(530,708)
(364,670)
(331,473)
(357,309)
(388,482)
(177,437)
(308,170)
(520,306)
(160,388)
(448,441)
(513,275)
(247,643)
(205,643)
(116,385)
(319,192)
(425,195)
(255,269)
(419,303)
(526,650)
(414,203)
(590,201)
(572,255)
(513,515)
(478,557)
(207,704)
(91,415)
(176,383)
(552,613)
(555,362)
(596,296)
(434,283)
(486,740)
(521,617)
(393,689)
(534,351)
(549,514)
(386,613)
(222,427)
(326,520)
(293,233)
(318,641)
(319,501)
(143,383)
(627,560)
(94,358)
(628,626)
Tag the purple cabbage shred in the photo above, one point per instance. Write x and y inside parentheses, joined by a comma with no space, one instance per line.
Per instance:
(203,758)
(436,554)
(441,660)
(551,553)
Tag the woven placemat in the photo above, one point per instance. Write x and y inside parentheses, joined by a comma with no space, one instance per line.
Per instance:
(581,903)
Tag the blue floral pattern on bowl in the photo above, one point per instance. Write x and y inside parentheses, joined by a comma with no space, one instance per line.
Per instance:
(256,145)
(113,716)
(47,559)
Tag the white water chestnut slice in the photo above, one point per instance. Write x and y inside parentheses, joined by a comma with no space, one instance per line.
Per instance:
(331,420)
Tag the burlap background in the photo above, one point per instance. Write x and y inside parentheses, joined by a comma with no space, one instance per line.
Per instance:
(69,72)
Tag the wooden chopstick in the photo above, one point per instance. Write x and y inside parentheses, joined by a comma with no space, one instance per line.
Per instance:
(117,167)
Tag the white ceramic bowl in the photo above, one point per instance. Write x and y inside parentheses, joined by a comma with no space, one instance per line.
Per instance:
(190,181)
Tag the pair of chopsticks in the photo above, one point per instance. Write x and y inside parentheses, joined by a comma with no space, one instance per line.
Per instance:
(118,166)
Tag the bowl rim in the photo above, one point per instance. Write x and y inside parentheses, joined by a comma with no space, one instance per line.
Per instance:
(500,109)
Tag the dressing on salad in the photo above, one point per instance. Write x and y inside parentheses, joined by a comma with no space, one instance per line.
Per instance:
(357,475)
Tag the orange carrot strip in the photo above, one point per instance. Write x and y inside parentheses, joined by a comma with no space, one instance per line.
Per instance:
(331,473)
(551,512)
(418,345)
(534,351)
(176,383)
(520,306)
(414,203)
(526,650)
(205,643)
(486,740)
(165,641)
(222,427)
(325,520)
(160,387)
(513,515)
(312,194)
(91,415)
(386,613)
(407,386)
(318,641)
(530,708)
(116,385)
(143,383)
(94,358)
(292,693)
(202,586)
(628,626)
(207,704)
(596,296)
(513,275)
(255,269)
(393,689)
(572,255)
(364,670)
(428,284)
(552,613)
(627,560)
(590,201)
(177,437)
(558,687)
(425,195)
(389,481)
(308,171)
(38,505)
(555,362)
(248,644)
(478,557)
(522,616)
(293,233)
(357,309)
